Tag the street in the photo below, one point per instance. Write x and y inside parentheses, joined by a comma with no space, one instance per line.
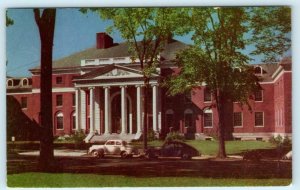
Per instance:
(162,167)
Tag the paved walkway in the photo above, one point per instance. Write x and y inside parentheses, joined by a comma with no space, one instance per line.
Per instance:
(65,152)
(80,153)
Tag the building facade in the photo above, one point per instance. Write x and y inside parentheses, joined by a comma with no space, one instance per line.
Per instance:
(100,91)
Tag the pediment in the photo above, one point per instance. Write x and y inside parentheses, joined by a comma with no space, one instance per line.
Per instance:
(118,73)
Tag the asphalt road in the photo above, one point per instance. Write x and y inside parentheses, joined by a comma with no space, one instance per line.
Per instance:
(142,167)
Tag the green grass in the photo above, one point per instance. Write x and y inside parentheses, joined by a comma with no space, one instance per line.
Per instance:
(211,147)
(94,180)
(232,147)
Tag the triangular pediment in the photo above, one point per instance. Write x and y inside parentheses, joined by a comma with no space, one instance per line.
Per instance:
(113,72)
(118,73)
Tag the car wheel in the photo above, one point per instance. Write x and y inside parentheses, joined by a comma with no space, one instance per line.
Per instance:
(124,154)
(186,156)
(95,153)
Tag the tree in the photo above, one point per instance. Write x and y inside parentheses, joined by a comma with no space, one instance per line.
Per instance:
(147,30)
(217,57)
(46,24)
(9,21)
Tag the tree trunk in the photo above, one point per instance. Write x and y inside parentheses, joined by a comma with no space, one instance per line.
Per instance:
(46,24)
(145,123)
(221,127)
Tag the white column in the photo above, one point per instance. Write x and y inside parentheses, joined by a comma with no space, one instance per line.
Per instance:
(83,109)
(138,109)
(107,110)
(130,123)
(97,110)
(123,110)
(77,109)
(154,107)
(92,126)
(159,109)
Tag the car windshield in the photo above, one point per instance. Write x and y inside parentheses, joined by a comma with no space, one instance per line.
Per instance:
(124,143)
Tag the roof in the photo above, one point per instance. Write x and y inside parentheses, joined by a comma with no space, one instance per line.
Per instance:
(119,50)
(268,70)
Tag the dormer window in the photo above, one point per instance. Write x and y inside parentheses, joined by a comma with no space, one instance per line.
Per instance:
(10,83)
(25,82)
(258,70)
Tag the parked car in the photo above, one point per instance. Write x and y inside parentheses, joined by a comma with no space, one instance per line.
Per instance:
(113,147)
(173,149)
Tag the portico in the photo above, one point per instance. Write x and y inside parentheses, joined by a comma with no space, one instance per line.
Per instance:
(109,100)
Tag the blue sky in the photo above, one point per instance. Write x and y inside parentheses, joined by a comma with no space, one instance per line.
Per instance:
(74,32)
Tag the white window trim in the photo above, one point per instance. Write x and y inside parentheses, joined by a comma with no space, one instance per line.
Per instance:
(12,83)
(238,126)
(260,126)
(212,118)
(262,97)
(23,82)
(72,127)
(62,101)
(261,70)
(59,114)
(204,98)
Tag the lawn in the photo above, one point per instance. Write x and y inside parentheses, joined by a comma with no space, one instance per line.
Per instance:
(94,180)
(232,147)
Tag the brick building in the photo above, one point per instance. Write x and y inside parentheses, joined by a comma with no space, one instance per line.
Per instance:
(100,91)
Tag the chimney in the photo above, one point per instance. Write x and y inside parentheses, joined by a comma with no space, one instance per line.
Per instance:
(104,40)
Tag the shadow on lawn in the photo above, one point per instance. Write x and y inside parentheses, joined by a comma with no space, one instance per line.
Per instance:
(139,167)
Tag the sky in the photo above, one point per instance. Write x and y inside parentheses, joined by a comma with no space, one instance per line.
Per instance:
(74,32)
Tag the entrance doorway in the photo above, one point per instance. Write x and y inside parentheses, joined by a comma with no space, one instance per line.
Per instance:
(116,113)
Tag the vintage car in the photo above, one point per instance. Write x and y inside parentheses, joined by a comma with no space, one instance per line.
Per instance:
(173,149)
(113,147)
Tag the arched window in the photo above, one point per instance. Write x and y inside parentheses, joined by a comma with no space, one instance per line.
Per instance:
(188,118)
(170,119)
(208,118)
(258,70)
(10,82)
(59,120)
(25,82)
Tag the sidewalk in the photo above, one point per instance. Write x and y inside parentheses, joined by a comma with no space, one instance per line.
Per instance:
(65,152)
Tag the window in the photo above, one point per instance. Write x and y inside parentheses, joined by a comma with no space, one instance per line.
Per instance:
(188,97)
(59,100)
(73,100)
(25,82)
(9,83)
(73,121)
(23,102)
(188,120)
(208,118)
(258,70)
(59,80)
(59,121)
(259,118)
(207,95)
(258,95)
(237,119)
(169,119)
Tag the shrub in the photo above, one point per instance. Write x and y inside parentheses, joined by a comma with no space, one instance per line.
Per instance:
(151,135)
(174,135)
(280,141)
(78,137)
